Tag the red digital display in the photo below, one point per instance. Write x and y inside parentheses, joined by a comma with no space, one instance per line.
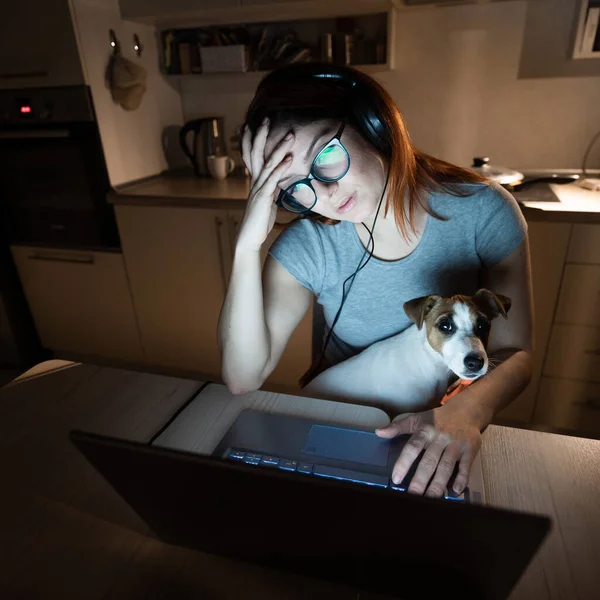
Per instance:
(25,110)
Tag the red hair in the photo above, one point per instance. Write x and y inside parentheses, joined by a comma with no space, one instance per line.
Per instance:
(294,95)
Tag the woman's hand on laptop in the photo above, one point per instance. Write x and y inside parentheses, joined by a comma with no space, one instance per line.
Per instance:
(449,435)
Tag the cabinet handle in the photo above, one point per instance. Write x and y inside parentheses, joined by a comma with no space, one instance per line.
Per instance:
(591,403)
(234,231)
(595,352)
(24,74)
(35,134)
(219,225)
(80,260)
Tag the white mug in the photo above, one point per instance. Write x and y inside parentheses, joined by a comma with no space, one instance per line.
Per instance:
(220,166)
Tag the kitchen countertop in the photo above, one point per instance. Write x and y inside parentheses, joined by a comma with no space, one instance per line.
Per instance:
(558,203)
(185,190)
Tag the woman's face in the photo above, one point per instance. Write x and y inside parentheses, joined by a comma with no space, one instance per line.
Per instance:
(356,195)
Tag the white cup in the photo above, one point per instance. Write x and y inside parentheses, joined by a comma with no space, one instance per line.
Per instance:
(220,166)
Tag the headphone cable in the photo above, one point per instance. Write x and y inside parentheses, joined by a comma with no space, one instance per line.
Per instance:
(353,276)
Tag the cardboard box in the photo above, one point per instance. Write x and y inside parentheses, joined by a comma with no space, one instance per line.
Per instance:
(224,59)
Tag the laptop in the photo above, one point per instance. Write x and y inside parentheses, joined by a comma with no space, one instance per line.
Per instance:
(313,498)
(300,445)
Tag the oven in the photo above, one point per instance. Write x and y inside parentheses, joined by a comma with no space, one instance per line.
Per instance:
(53,176)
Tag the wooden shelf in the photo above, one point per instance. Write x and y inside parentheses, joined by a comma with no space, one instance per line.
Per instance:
(372,39)
(251,76)
(165,18)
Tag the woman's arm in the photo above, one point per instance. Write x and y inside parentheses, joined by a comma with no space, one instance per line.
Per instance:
(259,313)
(452,433)
(511,344)
(257,320)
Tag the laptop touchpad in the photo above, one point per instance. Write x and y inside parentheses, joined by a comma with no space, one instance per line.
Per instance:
(347,444)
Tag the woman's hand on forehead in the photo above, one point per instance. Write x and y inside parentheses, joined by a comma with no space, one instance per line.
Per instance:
(274,139)
(275,136)
(261,208)
(307,142)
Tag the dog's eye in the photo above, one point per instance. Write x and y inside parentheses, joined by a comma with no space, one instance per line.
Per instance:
(482,326)
(446,325)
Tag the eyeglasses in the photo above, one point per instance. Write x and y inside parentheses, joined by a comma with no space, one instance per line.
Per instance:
(330,165)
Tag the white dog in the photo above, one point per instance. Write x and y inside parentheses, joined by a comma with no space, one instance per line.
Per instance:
(410,372)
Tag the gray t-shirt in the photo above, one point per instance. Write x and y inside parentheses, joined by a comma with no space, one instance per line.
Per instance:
(481,231)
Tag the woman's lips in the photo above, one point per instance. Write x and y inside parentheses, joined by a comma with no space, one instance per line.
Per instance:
(346,205)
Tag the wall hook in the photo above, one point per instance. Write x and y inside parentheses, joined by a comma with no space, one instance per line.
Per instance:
(114,42)
(137,45)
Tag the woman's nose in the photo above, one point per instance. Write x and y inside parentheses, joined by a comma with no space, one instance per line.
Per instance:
(325,191)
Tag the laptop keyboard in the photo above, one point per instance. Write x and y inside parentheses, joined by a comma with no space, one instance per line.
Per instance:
(328,472)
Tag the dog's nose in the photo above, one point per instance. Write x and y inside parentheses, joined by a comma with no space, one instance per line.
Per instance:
(474,362)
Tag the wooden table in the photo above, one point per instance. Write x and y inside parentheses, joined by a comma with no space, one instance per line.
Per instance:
(64,533)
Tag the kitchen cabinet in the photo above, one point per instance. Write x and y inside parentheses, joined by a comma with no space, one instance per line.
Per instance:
(569,406)
(578,303)
(38,47)
(574,350)
(175,262)
(548,246)
(189,13)
(568,399)
(550,39)
(313,17)
(584,247)
(585,43)
(80,302)
(179,261)
(574,353)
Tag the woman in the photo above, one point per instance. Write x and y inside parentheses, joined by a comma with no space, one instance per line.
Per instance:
(329,143)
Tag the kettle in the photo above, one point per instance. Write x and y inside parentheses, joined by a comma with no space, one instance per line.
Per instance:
(207,138)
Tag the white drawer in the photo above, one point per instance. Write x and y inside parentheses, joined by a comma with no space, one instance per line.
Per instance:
(579,300)
(80,301)
(569,405)
(574,353)
(584,246)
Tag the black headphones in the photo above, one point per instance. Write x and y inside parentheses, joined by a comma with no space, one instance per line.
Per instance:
(364,107)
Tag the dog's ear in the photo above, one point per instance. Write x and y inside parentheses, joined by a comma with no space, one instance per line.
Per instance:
(418,308)
(492,304)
